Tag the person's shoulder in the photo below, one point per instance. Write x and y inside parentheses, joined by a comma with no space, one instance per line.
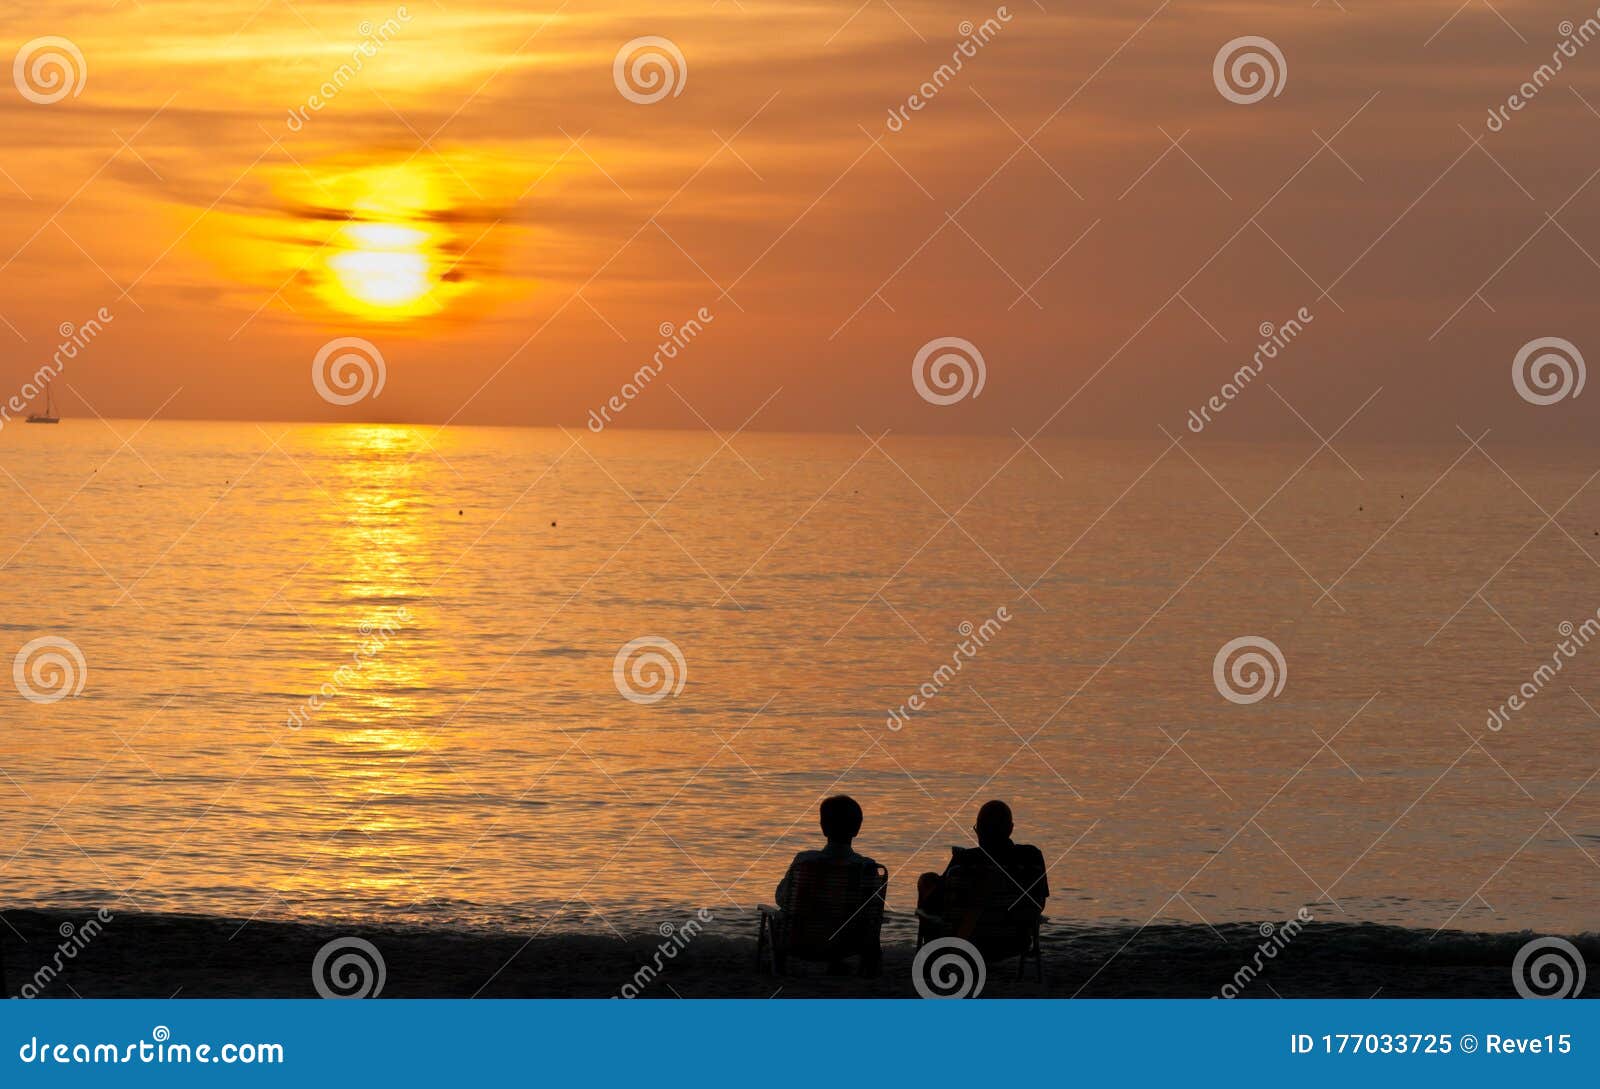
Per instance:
(1027,852)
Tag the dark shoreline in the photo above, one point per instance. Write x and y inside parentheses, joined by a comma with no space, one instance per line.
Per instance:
(186,956)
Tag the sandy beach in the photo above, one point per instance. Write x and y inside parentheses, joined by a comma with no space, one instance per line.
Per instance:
(162,956)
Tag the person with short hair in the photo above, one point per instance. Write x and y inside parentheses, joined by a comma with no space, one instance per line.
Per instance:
(840,817)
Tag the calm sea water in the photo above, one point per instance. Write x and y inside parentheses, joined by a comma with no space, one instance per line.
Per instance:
(474,760)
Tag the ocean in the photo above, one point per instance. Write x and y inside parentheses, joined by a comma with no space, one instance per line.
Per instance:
(299,672)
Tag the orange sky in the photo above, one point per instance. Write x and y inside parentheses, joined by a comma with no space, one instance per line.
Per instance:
(483,204)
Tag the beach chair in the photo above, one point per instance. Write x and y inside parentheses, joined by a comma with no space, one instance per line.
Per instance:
(834,909)
(986,905)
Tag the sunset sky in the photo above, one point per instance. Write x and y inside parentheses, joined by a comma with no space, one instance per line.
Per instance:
(483,204)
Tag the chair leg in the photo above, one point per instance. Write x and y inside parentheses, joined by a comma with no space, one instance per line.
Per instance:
(761,946)
(780,956)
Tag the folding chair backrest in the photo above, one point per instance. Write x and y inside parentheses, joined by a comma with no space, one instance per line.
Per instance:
(979,885)
(832,901)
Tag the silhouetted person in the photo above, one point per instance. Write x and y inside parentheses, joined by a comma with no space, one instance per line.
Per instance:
(840,817)
(996,876)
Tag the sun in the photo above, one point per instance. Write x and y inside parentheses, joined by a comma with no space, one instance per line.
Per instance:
(379,237)
(385,261)
(382,270)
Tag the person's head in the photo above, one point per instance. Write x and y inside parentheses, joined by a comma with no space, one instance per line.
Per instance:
(994,823)
(841,818)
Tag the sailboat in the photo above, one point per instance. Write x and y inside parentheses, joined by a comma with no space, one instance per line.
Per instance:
(49,416)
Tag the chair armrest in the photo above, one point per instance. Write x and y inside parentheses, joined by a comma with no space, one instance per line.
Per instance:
(770,911)
(929,916)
